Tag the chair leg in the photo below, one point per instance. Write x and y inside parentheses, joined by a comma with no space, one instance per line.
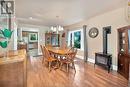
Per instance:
(42,60)
(67,67)
(49,66)
(74,66)
(57,63)
(61,64)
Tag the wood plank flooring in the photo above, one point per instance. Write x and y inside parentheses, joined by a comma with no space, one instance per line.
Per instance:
(39,76)
(85,76)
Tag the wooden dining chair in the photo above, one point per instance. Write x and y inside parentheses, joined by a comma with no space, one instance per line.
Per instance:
(69,59)
(43,53)
(67,49)
(49,58)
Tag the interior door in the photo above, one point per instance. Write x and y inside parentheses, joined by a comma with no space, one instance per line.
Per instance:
(123,65)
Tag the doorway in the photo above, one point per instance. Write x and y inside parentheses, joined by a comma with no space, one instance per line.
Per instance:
(31,39)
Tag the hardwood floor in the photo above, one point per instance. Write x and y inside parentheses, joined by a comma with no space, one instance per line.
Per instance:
(85,76)
(39,76)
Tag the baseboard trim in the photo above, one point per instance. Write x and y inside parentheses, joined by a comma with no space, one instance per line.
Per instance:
(91,60)
(80,57)
(114,67)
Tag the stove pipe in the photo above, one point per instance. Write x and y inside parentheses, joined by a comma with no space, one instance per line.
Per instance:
(106,31)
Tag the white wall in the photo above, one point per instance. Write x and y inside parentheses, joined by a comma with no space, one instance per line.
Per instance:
(116,19)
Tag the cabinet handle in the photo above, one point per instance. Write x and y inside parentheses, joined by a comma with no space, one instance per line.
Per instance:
(120,54)
(121,64)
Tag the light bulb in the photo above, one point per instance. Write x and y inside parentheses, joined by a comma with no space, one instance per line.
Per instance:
(59,28)
(62,28)
(52,28)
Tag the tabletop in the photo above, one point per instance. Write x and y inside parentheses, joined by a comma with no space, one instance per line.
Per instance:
(58,50)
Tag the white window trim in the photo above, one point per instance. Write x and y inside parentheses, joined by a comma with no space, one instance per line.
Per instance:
(82,38)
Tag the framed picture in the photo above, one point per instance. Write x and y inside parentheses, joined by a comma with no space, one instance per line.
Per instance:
(33,37)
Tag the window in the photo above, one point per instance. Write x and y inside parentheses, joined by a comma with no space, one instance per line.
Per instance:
(75,38)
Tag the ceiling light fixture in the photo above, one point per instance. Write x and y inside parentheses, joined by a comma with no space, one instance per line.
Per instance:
(57,28)
(30,18)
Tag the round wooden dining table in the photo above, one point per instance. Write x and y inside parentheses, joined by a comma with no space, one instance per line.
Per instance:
(58,50)
(59,53)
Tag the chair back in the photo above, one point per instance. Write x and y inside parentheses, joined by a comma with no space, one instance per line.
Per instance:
(71,49)
(42,49)
(71,54)
(47,54)
(74,50)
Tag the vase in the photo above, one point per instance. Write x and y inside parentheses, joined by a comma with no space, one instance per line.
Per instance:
(6,36)
(5,53)
(4,45)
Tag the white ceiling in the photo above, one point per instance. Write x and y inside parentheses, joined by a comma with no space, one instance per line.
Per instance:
(44,12)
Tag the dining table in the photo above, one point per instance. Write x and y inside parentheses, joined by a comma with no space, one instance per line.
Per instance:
(59,51)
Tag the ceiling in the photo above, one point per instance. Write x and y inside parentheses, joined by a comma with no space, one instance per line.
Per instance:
(44,12)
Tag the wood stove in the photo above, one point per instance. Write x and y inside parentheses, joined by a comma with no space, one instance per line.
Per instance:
(104,59)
